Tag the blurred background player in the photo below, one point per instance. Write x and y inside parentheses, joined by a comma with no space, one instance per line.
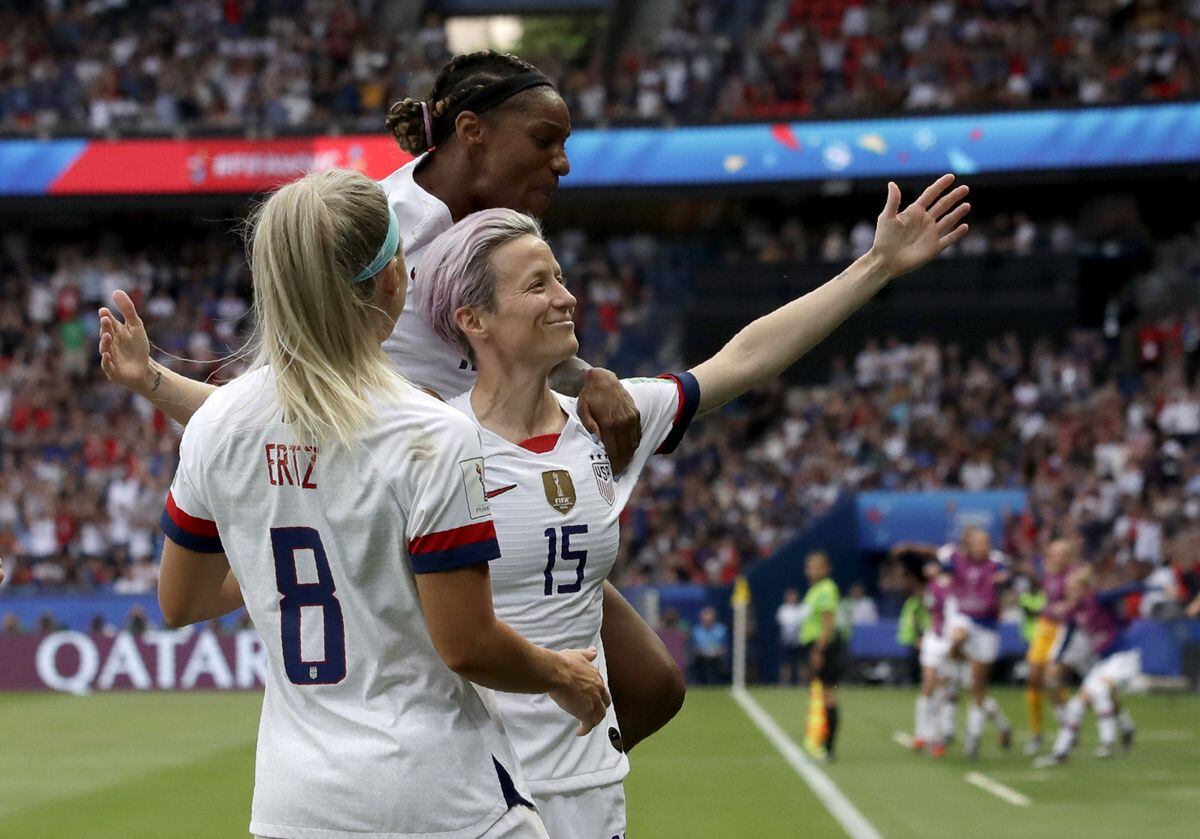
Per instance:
(791,652)
(977,574)
(491,134)
(922,626)
(1097,616)
(821,638)
(363,512)
(1057,564)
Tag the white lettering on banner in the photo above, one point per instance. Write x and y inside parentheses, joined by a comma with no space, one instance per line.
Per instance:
(124,659)
(207,659)
(47,664)
(129,657)
(251,658)
(165,642)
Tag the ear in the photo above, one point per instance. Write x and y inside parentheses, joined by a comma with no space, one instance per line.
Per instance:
(468,128)
(470,322)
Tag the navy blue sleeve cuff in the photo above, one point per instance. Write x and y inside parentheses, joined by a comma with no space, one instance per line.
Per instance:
(689,401)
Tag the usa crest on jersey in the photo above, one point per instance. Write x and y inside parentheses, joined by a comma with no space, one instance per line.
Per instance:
(602,471)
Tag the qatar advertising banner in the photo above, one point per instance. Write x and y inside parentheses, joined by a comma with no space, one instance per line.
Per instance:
(79,663)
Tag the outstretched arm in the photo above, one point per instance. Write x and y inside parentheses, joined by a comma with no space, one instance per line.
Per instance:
(125,359)
(903,241)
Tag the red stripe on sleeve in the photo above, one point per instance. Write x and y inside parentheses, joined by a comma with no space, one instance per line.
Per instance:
(454,538)
(679,396)
(193,525)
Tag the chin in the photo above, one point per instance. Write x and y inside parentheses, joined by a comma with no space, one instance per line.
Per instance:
(536,204)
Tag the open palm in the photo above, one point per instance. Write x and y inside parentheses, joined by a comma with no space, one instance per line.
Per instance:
(907,240)
(124,346)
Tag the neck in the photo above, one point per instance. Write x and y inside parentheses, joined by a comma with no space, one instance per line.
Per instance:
(515,403)
(441,175)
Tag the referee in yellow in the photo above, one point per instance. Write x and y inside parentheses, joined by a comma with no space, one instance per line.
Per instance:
(822,641)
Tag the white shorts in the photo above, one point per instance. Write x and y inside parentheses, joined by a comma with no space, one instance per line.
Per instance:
(519,822)
(1072,649)
(934,650)
(597,813)
(1117,670)
(982,644)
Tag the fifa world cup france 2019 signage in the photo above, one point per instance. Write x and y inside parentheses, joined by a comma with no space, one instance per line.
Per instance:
(76,662)
(711,155)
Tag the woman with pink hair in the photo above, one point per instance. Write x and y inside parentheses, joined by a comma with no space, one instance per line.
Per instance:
(491,287)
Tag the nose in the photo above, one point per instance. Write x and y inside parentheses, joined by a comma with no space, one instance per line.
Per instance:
(559,164)
(563,299)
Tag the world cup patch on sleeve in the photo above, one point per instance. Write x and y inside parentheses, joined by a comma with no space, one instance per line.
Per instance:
(472,474)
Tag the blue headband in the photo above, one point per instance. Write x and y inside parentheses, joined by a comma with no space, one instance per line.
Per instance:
(391,244)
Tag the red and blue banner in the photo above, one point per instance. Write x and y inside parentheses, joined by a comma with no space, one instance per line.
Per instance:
(900,147)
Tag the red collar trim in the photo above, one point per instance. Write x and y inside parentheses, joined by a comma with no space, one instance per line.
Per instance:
(540,444)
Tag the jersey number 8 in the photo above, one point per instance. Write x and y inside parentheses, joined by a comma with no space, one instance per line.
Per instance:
(297,596)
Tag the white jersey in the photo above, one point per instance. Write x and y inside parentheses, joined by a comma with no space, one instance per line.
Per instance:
(365,732)
(424,358)
(558,512)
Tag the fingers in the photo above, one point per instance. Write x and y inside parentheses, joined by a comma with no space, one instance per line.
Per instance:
(947,201)
(925,201)
(892,205)
(953,237)
(951,221)
(589,422)
(128,310)
(589,653)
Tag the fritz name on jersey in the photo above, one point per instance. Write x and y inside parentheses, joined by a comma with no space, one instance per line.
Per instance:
(289,464)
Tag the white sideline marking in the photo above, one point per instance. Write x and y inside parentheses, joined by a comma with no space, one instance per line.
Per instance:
(851,820)
(903,739)
(998,789)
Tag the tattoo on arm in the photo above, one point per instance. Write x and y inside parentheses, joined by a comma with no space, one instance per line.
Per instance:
(157,378)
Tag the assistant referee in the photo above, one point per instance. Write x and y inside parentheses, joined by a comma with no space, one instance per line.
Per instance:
(821,639)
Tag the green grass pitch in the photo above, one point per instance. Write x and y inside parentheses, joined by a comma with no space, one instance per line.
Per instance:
(181,765)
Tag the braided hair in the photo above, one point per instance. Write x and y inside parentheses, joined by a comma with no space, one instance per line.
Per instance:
(417,125)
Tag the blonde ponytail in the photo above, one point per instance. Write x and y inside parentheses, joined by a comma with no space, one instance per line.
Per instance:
(317,329)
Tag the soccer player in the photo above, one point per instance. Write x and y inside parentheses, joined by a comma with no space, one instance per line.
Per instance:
(977,574)
(342,506)
(820,637)
(1096,616)
(494,289)
(1043,671)
(492,133)
(923,624)
(788,617)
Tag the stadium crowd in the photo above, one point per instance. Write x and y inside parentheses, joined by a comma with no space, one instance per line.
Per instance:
(104,66)
(1107,446)
(84,467)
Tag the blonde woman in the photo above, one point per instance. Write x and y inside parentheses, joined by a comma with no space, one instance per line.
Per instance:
(493,288)
(346,508)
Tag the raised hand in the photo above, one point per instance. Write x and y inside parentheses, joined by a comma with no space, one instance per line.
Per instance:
(124,346)
(906,240)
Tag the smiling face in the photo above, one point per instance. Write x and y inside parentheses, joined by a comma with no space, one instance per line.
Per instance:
(523,152)
(530,324)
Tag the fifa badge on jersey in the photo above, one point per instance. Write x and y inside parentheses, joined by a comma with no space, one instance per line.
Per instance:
(560,490)
(602,471)
(472,473)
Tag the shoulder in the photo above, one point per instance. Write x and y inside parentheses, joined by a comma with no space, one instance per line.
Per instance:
(427,411)
(247,400)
